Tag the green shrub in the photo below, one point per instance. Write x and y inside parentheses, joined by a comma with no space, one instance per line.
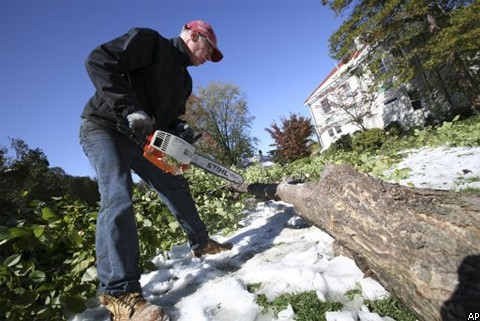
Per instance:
(394,129)
(344,144)
(219,208)
(47,261)
(158,230)
(369,140)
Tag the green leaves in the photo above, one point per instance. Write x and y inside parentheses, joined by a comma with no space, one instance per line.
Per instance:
(38,230)
(18,232)
(12,260)
(49,264)
(37,276)
(90,275)
(218,207)
(48,214)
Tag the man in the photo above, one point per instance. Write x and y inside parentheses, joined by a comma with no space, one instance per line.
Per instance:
(142,82)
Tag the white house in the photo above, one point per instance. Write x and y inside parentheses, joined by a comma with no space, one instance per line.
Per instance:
(341,104)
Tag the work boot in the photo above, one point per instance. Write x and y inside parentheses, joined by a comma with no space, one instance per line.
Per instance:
(132,307)
(212,247)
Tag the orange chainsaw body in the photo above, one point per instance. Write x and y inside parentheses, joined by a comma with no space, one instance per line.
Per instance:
(155,150)
(163,161)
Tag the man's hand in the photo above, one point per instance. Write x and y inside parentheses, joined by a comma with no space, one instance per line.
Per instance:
(140,123)
(185,132)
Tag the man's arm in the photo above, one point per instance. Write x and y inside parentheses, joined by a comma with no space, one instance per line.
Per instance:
(109,64)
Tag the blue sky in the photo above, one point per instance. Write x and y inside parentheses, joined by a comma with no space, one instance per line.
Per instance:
(275,51)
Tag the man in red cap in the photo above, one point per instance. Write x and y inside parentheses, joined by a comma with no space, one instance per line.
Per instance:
(141,81)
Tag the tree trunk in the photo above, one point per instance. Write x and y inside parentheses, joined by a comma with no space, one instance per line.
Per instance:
(423,245)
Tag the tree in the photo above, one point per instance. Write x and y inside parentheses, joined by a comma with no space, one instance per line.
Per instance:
(291,138)
(27,177)
(457,44)
(352,106)
(220,111)
(423,36)
(27,174)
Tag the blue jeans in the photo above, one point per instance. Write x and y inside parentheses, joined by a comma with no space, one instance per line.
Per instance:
(113,156)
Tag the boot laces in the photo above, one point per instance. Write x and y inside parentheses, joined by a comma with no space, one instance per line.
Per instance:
(125,303)
(130,300)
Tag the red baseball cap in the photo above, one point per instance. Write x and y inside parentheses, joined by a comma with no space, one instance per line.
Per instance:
(206,30)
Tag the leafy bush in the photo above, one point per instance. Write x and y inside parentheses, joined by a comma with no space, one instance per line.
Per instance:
(157,228)
(394,129)
(343,144)
(369,140)
(218,207)
(47,261)
(259,174)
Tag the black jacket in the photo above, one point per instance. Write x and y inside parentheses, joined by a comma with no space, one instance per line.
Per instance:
(140,70)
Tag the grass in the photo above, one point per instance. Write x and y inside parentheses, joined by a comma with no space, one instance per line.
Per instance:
(391,307)
(472,179)
(470,190)
(306,305)
(467,180)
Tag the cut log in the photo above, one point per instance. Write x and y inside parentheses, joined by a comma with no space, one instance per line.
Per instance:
(423,245)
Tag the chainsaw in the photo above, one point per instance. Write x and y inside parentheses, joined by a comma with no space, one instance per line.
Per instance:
(173,155)
(169,152)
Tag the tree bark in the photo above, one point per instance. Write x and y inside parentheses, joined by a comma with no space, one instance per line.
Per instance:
(261,191)
(422,245)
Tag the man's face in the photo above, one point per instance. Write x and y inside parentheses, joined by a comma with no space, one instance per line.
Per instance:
(201,49)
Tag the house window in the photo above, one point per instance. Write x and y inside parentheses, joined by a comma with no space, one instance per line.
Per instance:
(331,133)
(415,99)
(338,129)
(326,105)
(346,89)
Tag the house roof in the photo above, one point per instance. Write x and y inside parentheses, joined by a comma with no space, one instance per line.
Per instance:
(338,66)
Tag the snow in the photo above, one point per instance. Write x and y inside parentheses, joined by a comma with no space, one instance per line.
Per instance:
(281,253)
(442,168)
